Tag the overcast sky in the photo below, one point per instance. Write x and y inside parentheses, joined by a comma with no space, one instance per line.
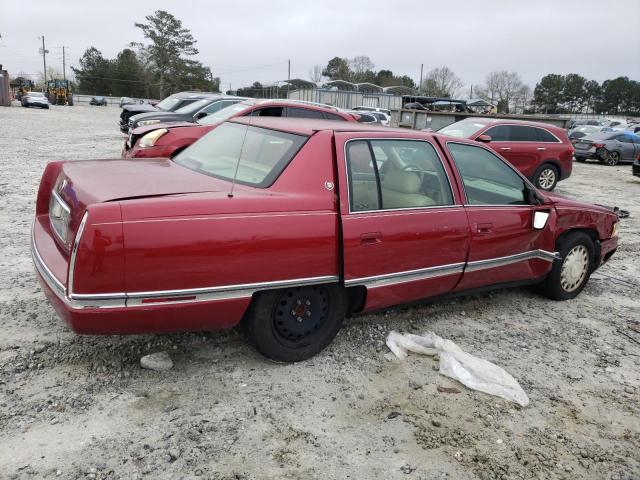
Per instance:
(243,41)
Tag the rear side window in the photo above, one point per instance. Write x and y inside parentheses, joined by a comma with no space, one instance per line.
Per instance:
(521,133)
(623,139)
(303,113)
(545,136)
(392,174)
(499,133)
(267,112)
(487,179)
(332,116)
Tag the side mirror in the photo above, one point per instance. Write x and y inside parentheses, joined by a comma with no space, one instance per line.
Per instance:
(532,196)
(200,115)
(484,138)
(540,219)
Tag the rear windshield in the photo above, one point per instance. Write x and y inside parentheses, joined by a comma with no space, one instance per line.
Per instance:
(463,128)
(254,156)
(169,103)
(36,94)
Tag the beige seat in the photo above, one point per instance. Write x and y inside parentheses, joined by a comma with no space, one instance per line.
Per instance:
(400,189)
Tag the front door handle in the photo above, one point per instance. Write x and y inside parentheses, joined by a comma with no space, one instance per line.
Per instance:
(484,228)
(370,238)
(505,148)
(541,149)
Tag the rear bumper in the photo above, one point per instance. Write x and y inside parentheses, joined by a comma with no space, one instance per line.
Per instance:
(120,314)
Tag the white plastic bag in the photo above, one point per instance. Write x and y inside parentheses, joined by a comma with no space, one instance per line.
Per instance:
(473,372)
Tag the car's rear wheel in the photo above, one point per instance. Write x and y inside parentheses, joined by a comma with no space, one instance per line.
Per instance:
(294,324)
(612,159)
(569,275)
(546,177)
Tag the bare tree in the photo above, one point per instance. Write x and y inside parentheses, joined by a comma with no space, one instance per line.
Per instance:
(361,64)
(441,82)
(315,74)
(502,87)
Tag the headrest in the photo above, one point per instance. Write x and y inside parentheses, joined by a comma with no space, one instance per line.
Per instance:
(402,181)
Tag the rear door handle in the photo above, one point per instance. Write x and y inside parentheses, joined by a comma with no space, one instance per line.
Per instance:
(541,149)
(370,238)
(505,148)
(484,227)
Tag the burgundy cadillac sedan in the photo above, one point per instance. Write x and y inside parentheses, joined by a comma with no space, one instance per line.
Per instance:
(286,226)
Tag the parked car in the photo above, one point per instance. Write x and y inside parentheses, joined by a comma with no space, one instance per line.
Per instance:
(542,152)
(609,148)
(285,226)
(169,104)
(582,131)
(382,117)
(34,99)
(162,140)
(362,108)
(191,112)
(99,101)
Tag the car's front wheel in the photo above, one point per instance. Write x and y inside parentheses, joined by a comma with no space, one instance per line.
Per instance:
(570,274)
(546,177)
(294,324)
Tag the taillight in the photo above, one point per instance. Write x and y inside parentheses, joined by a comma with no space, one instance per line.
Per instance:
(598,145)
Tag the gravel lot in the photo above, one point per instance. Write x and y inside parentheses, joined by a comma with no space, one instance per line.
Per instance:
(81,407)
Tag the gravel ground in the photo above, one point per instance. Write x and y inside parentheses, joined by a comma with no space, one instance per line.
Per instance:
(82,407)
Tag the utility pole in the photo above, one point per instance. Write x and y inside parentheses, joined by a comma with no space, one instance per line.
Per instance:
(64,65)
(44,52)
(471,94)
(420,84)
(288,70)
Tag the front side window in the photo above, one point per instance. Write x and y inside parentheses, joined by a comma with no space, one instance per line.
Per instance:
(254,156)
(487,179)
(463,128)
(392,174)
(499,133)
(225,113)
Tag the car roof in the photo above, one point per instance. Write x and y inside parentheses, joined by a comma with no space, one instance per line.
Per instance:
(505,121)
(309,126)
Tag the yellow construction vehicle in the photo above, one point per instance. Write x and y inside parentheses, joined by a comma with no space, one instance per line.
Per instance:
(59,93)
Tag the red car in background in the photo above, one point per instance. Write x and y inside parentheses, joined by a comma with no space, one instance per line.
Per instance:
(165,141)
(286,226)
(542,152)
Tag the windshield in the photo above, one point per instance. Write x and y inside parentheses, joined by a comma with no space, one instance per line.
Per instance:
(193,107)
(462,129)
(254,156)
(225,113)
(168,103)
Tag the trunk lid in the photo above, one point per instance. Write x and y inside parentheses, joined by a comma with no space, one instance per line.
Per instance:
(98,181)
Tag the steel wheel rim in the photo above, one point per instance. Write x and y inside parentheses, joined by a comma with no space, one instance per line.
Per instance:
(613,158)
(547,178)
(574,268)
(299,313)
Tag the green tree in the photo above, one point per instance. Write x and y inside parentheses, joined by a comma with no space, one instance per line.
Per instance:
(547,96)
(337,69)
(93,76)
(574,93)
(170,41)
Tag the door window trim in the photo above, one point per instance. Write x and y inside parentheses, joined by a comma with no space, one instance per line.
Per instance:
(464,189)
(380,210)
(521,141)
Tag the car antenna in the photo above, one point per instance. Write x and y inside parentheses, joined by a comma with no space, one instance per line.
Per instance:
(244,138)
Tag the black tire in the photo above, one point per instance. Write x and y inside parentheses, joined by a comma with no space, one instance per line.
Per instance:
(564,287)
(612,159)
(581,159)
(546,177)
(294,324)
